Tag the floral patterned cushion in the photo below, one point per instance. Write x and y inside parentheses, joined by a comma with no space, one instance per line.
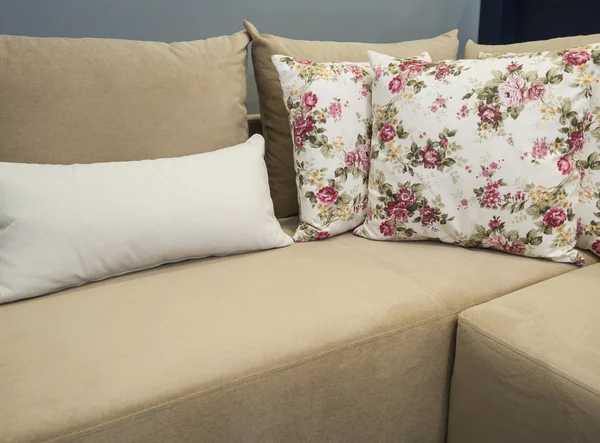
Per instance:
(329,106)
(479,153)
(588,206)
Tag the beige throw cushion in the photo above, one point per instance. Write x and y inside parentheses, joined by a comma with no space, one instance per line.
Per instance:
(97,100)
(473,49)
(279,149)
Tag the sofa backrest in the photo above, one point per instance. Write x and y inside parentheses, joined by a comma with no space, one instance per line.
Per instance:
(96,100)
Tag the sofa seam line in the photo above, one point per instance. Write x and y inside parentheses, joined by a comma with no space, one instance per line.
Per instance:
(394,269)
(527,356)
(279,369)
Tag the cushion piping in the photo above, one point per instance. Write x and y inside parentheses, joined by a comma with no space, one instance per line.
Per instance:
(527,356)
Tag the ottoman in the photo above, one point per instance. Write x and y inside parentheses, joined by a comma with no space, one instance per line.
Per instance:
(527,366)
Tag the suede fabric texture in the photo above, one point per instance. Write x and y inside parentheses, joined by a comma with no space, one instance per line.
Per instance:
(526,368)
(226,349)
(68,101)
(473,49)
(278,139)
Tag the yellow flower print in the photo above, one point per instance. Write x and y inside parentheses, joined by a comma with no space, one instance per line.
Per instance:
(587,79)
(338,142)
(564,237)
(593,229)
(394,153)
(562,200)
(343,213)
(378,212)
(582,68)
(408,95)
(585,196)
(539,195)
(315,177)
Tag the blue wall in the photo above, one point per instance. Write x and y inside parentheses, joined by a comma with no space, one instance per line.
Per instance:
(176,20)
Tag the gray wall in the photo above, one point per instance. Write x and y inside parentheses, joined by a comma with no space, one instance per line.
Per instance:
(176,20)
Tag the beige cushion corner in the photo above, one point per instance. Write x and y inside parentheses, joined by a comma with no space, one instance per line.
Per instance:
(279,149)
(527,365)
(473,49)
(242,349)
(89,100)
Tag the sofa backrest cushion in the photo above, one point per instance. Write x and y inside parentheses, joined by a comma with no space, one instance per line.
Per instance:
(66,101)
(473,49)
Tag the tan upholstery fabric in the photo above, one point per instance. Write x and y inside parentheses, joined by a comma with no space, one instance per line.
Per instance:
(472,49)
(528,365)
(279,149)
(95,100)
(344,340)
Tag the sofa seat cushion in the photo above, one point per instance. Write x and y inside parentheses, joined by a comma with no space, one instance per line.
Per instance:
(528,365)
(340,340)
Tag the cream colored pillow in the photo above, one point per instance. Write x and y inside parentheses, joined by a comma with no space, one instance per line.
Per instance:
(66,101)
(278,139)
(62,226)
(473,49)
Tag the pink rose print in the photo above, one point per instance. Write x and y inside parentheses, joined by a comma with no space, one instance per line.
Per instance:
(493,165)
(302,126)
(350,159)
(414,67)
(444,142)
(518,248)
(576,141)
(321,235)
(387,133)
(430,157)
(358,74)
(536,91)
(554,217)
(428,217)
(540,150)
(576,57)
(397,211)
(378,73)
(512,67)
(406,197)
(512,92)
(464,202)
(565,165)
(491,195)
(434,108)
(335,110)
(485,172)
(495,241)
(309,101)
(494,224)
(596,247)
(441,101)
(464,112)
(387,229)
(442,71)
(396,85)
(363,157)
(303,62)
(489,113)
(328,195)
(580,229)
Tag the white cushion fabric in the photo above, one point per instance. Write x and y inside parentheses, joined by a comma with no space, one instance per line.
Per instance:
(588,206)
(62,226)
(479,153)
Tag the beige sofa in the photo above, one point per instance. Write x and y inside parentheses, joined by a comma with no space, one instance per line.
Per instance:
(345,340)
